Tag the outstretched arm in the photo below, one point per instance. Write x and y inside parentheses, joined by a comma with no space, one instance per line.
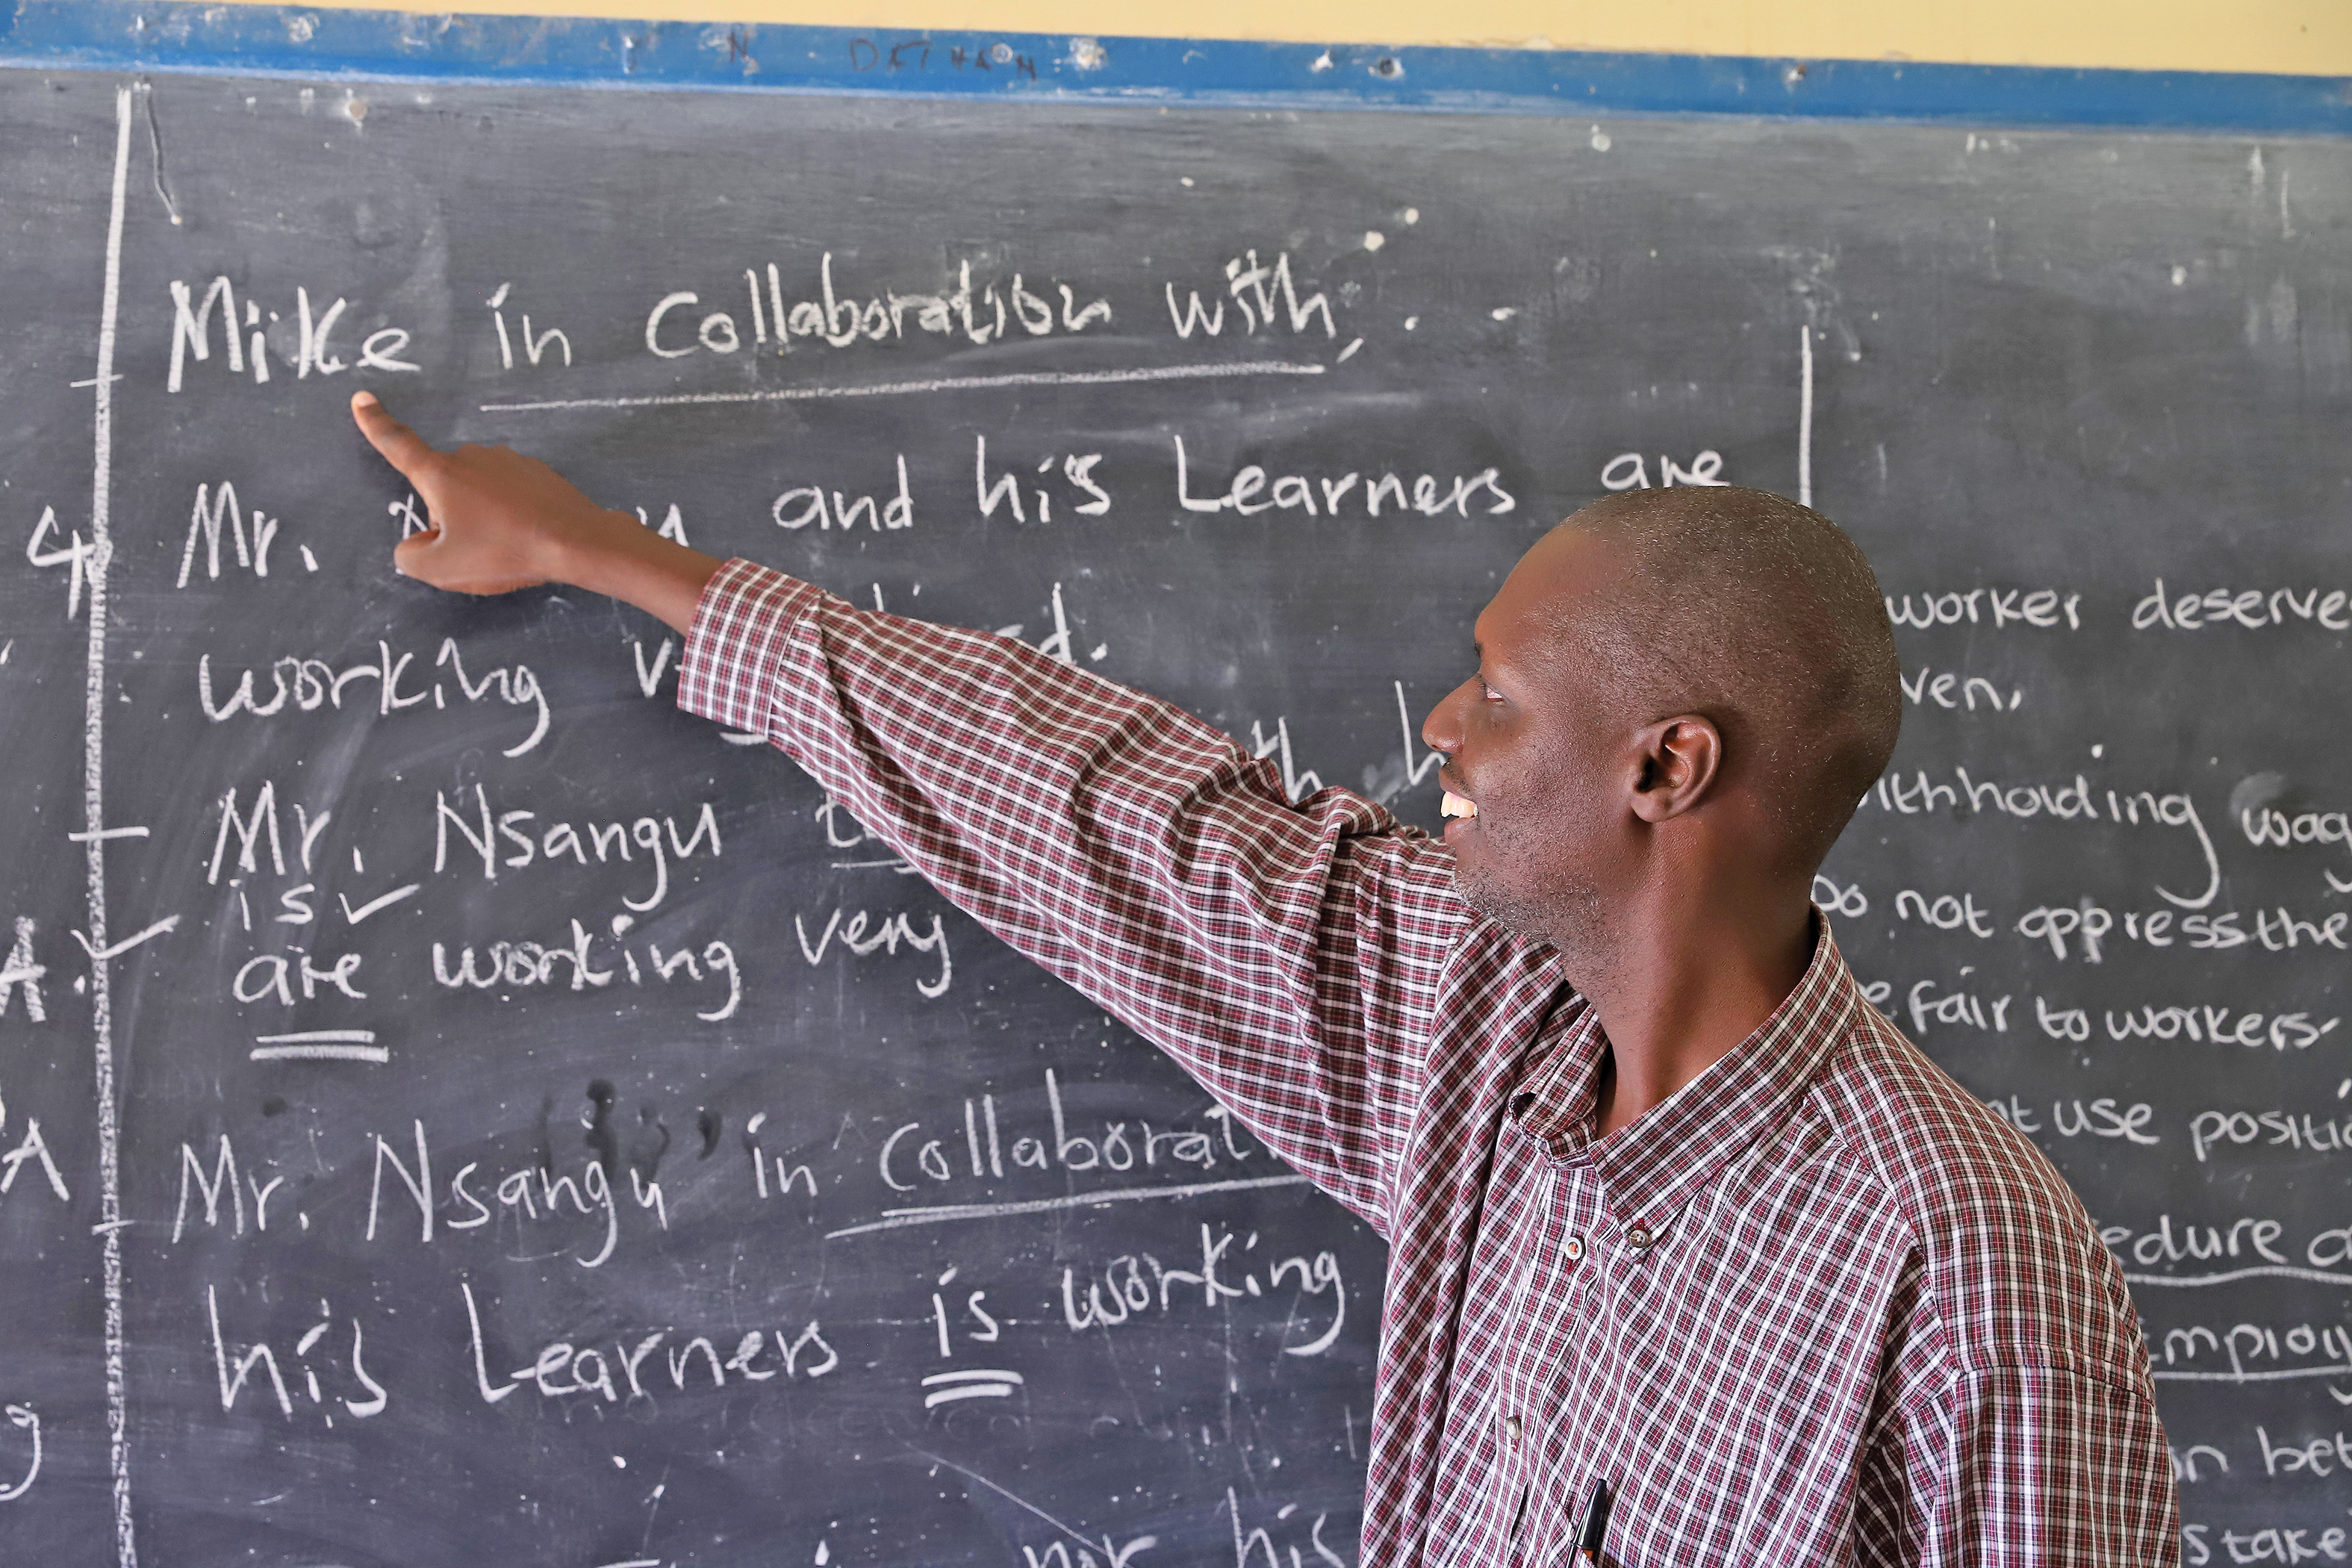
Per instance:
(502,522)
(1288,954)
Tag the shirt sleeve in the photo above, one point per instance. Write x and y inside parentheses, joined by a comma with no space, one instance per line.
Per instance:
(2025,1467)
(1288,955)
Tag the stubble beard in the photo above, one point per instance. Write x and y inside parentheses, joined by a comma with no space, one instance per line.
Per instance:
(1529,896)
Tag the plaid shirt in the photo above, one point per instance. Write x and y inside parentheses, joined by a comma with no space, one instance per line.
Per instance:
(1820,1307)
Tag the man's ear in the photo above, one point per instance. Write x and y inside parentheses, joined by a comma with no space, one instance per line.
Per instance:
(1677,760)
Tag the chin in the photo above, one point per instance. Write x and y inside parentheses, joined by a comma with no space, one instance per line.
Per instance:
(1496,899)
(1569,916)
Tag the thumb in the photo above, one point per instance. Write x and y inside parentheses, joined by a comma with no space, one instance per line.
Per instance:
(402,448)
(411,555)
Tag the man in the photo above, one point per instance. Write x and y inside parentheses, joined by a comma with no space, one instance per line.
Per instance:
(1672,1209)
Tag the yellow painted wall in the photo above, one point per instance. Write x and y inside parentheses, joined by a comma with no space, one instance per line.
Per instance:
(2300,37)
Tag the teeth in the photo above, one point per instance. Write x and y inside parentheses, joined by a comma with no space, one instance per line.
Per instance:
(1455,805)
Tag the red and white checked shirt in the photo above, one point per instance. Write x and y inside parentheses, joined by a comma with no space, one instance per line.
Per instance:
(1820,1307)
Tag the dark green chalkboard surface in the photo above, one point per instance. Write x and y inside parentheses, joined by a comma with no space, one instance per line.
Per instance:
(456,1110)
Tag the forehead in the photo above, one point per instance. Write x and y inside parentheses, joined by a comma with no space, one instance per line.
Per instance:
(1555,584)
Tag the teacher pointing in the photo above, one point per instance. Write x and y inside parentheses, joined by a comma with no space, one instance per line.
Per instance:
(1678,1221)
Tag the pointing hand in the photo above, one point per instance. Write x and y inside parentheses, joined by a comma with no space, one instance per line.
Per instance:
(502,521)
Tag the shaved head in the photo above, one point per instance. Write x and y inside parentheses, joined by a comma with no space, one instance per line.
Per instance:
(1758,614)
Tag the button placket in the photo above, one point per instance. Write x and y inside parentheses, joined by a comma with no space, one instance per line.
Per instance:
(1510,1427)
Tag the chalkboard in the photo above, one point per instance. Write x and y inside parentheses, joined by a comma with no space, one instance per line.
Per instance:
(456,1109)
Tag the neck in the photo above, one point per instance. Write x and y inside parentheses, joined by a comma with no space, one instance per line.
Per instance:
(1675,993)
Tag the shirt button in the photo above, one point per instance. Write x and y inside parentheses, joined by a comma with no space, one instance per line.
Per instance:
(1638,1237)
(1511,1426)
(1575,1248)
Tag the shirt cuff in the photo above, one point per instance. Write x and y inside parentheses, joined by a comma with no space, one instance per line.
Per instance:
(735,648)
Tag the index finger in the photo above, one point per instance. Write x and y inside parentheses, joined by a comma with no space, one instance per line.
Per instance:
(402,448)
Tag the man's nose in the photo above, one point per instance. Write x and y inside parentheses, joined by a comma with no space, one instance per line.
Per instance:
(1442,730)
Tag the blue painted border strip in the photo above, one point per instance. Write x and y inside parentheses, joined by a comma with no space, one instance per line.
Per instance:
(377,46)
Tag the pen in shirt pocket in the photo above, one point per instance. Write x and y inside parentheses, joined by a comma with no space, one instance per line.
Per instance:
(1595,1525)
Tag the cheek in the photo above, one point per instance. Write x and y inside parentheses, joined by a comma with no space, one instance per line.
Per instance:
(1560,798)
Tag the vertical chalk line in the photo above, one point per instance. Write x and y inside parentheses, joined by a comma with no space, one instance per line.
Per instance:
(1805,421)
(93,731)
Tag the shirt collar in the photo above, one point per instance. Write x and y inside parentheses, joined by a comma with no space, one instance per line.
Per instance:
(1649,1170)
